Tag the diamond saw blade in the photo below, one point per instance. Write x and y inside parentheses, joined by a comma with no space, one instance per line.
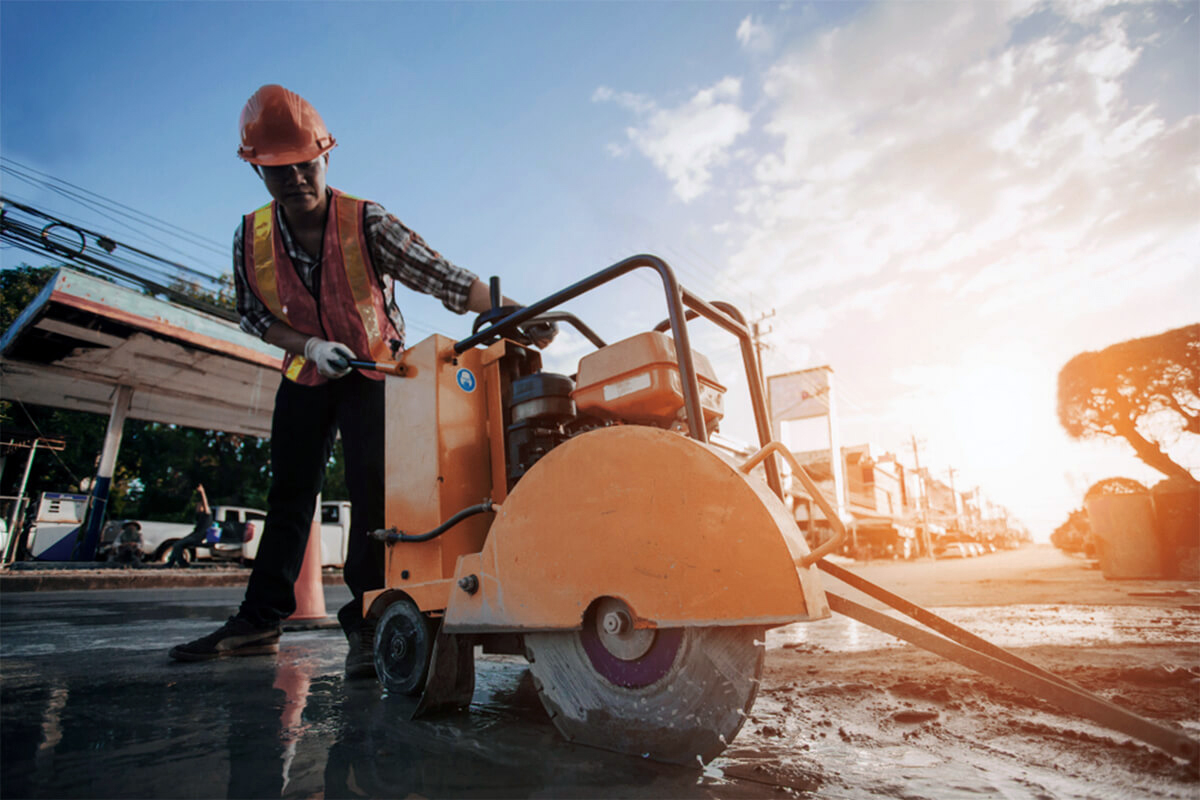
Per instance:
(685,696)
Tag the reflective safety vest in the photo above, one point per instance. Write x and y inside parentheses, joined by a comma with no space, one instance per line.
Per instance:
(348,305)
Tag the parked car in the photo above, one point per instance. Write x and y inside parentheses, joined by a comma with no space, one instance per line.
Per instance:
(954,550)
(335,531)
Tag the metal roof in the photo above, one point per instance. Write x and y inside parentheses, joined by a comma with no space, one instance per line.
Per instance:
(82,337)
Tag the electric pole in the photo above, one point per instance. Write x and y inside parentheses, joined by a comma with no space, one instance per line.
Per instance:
(756,334)
(954,495)
(923,500)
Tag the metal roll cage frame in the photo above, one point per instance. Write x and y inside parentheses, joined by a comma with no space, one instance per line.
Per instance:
(722,314)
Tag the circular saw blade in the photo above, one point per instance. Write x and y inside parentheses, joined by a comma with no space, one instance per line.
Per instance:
(685,698)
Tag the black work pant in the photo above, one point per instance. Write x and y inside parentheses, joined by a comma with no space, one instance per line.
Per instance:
(303,430)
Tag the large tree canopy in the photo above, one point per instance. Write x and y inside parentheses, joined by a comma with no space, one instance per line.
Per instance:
(1146,391)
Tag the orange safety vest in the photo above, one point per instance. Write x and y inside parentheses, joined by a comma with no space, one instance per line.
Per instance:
(349,306)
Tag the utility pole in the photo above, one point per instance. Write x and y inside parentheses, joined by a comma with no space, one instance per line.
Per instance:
(756,334)
(923,500)
(954,496)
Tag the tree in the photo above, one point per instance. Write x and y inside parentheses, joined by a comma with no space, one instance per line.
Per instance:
(1146,391)
(18,286)
(1075,535)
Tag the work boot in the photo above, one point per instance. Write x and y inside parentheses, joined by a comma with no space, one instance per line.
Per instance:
(237,637)
(360,659)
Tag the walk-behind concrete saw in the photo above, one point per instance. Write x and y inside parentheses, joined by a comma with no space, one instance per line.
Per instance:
(587,523)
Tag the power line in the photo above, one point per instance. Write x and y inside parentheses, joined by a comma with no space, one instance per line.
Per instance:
(41,233)
(80,194)
(101,211)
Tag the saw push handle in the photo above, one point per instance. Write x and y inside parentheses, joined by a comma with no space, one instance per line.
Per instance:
(395,368)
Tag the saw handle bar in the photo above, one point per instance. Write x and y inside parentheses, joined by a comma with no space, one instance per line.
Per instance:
(677,297)
(690,315)
(499,313)
(397,535)
(814,491)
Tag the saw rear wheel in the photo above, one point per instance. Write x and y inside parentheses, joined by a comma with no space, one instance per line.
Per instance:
(674,694)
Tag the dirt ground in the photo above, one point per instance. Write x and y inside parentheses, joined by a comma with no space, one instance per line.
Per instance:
(845,711)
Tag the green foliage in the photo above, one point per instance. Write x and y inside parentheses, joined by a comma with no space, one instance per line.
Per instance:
(1146,391)
(1075,535)
(335,475)
(221,296)
(160,466)
(18,286)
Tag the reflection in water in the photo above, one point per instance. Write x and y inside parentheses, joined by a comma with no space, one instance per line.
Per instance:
(502,747)
(52,721)
(278,731)
(294,679)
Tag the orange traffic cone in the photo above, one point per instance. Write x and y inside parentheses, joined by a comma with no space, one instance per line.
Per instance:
(310,588)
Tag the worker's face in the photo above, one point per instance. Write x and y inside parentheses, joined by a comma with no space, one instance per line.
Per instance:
(299,188)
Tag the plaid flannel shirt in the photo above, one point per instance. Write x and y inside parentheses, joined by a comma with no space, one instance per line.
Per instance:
(398,253)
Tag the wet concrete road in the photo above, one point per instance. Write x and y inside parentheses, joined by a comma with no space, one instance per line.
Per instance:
(93,707)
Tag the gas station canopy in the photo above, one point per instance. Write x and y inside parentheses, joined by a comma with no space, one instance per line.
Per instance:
(84,337)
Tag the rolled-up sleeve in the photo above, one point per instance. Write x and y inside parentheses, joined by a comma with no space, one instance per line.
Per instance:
(255,318)
(398,251)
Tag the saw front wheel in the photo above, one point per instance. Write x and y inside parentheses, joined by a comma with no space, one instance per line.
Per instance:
(673,694)
(403,648)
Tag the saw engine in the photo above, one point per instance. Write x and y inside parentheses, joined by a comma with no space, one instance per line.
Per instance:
(634,381)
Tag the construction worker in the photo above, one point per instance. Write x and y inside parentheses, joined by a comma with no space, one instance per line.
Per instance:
(314,272)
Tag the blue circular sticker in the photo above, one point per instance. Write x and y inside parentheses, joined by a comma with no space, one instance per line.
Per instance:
(466,380)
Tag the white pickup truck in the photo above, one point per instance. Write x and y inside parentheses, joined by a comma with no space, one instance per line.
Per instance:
(159,537)
(335,532)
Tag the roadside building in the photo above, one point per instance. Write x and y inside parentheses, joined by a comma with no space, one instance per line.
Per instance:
(883,519)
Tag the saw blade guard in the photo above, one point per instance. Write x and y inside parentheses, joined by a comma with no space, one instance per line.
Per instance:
(664,523)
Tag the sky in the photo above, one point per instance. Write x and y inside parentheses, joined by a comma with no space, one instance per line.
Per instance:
(942,201)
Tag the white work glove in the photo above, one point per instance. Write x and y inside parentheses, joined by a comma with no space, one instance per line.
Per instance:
(332,358)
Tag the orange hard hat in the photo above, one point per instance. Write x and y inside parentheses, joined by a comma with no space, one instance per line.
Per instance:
(281,127)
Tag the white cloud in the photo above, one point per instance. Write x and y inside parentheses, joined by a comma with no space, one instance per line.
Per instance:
(919,138)
(753,35)
(637,103)
(686,142)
